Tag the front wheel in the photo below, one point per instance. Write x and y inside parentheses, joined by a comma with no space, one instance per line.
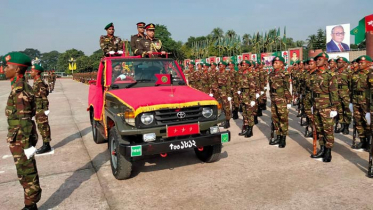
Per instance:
(120,165)
(209,154)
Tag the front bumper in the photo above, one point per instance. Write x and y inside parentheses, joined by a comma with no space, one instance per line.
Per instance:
(152,148)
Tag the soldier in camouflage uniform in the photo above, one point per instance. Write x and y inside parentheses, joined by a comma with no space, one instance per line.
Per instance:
(344,83)
(255,72)
(205,78)
(332,65)
(309,66)
(22,136)
(279,88)
(264,83)
(359,90)
(247,91)
(42,108)
(213,80)
(234,88)
(54,78)
(189,71)
(110,44)
(223,90)
(294,79)
(324,98)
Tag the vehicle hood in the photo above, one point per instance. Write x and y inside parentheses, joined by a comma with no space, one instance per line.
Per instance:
(146,99)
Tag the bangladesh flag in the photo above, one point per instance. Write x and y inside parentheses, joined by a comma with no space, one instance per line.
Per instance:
(365,25)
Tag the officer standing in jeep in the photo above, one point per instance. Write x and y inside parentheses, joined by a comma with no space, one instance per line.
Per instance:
(110,44)
(135,39)
(150,44)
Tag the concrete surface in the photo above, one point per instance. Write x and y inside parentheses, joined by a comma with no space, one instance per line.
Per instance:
(250,174)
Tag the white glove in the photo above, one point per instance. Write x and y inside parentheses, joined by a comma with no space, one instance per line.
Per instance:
(261,92)
(351,106)
(257,95)
(120,52)
(333,114)
(252,103)
(211,95)
(229,98)
(288,106)
(265,88)
(122,77)
(30,152)
(111,52)
(239,92)
(367,117)
(312,109)
(46,112)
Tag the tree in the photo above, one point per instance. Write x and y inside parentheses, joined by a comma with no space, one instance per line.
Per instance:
(95,59)
(84,64)
(50,59)
(168,44)
(230,34)
(299,43)
(63,59)
(312,39)
(32,53)
(217,33)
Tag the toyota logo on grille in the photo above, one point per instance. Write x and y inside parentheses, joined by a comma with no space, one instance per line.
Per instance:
(181,115)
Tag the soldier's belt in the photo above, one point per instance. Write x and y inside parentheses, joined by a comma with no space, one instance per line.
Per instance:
(358,93)
(342,87)
(318,95)
(276,90)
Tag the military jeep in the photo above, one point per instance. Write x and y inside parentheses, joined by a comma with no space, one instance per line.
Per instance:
(143,106)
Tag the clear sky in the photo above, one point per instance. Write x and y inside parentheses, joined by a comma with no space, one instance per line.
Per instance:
(60,25)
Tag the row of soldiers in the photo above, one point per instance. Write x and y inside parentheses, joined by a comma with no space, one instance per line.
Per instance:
(23,104)
(245,89)
(144,45)
(85,77)
(326,89)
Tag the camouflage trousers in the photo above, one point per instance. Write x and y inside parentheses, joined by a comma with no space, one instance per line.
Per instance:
(263,98)
(344,111)
(324,126)
(26,168)
(223,96)
(359,118)
(307,105)
(43,126)
(236,100)
(247,110)
(280,116)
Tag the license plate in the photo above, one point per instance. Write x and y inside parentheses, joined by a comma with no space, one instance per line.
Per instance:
(182,130)
(183,145)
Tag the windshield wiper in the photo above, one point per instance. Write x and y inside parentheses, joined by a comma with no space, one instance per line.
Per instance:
(139,80)
(131,85)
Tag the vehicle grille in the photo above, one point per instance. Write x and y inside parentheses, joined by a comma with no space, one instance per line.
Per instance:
(169,116)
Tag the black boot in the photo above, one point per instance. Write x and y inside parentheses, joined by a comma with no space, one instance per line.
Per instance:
(30,207)
(227,125)
(328,155)
(310,134)
(345,129)
(299,114)
(275,141)
(235,114)
(256,120)
(320,153)
(240,108)
(362,144)
(282,143)
(339,130)
(264,106)
(259,113)
(305,123)
(45,148)
(244,130)
(249,132)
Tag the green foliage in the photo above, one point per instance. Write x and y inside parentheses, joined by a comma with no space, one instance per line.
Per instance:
(317,41)
(169,45)
(32,53)
(84,64)
(63,59)
(95,59)
(49,59)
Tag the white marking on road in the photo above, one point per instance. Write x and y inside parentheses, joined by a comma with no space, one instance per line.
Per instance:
(6,156)
(1,172)
(48,153)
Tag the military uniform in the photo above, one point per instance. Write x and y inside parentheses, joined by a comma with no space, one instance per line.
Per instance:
(234,88)
(204,82)
(223,90)
(42,109)
(149,44)
(279,88)
(22,134)
(247,88)
(110,43)
(189,71)
(324,98)
(360,96)
(135,39)
(307,98)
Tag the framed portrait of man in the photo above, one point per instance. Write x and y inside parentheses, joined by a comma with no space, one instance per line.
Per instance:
(338,38)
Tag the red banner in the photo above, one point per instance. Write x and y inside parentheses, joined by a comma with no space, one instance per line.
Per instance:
(182,130)
(369,23)
(163,79)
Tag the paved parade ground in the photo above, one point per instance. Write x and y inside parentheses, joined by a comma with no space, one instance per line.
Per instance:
(250,174)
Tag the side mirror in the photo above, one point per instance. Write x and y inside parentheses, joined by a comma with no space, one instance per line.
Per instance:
(92,82)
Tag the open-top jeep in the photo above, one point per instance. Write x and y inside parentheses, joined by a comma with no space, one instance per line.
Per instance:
(143,106)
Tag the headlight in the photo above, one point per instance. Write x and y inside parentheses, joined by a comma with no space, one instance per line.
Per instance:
(207,112)
(147,119)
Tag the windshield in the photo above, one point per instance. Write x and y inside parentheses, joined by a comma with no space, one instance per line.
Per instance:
(133,73)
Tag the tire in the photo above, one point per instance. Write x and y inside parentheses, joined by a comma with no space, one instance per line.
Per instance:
(209,154)
(120,165)
(97,137)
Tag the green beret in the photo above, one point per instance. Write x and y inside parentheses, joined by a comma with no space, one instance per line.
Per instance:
(16,58)
(343,59)
(37,67)
(322,55)
(279,58)
(310,59)
(193,63)
(224,63)
(297,62)
(364,58)
(291,62)
(109,25)
(206,64)
(231,62)
(332,59)
(353,61)
(247,62)
(213,63)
